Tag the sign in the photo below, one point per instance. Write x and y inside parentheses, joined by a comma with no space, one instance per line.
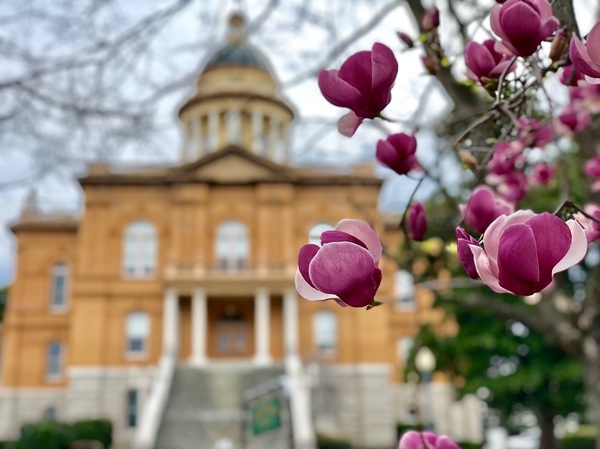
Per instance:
(265,415)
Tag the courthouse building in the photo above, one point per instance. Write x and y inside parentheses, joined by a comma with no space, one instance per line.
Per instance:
(172,293)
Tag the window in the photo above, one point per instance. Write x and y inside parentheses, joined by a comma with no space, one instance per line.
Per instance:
(314,235)
(232,246)
(50,414)
(325,332)
(54,360)
(132,408)
(403,347)
(60,277)
(139,250)
(137,330)
(405,290)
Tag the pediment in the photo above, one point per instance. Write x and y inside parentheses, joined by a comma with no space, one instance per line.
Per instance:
(233,166)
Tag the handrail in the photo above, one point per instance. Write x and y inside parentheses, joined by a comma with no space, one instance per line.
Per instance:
(145,436)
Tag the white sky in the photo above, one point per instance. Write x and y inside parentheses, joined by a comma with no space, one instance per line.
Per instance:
(59,192)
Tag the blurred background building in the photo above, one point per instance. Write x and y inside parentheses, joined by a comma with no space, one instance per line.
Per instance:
(170,302)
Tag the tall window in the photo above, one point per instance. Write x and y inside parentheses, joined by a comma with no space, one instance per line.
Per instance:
(232,246)
(137,329)
(325,332)
(314,235)
(132,408)
(139,250)
(54,360)
(60,278)
(405,290)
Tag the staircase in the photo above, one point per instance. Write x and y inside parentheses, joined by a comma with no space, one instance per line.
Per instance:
(204,406)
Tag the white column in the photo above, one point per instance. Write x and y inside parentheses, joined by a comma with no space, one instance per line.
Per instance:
(257,132)
(234,132)
(273,136)
(197,138)
(213,131)
(262,323)
(170,323)
(290,326)
(199,326)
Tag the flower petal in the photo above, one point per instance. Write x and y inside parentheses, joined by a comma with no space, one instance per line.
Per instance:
(491,238)
(553,240)
(593,43)
(305,256)
(349,123)
(339,236)
(338,91)
(518,264)
(577,250)
(581,59)
(384,69)
(346,270)
(309,292)
(487,269)
(522,24)
(364,233)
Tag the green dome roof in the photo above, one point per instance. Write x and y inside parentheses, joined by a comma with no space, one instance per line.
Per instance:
(238,54)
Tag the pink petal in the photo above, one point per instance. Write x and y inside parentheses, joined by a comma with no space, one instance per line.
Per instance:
(444,442)
(491,238)
(553,239)
(337,91)
(349,123)
(339,236)
(305,257)
(308,292)
(495,22)
(518,264)
(364,233)
(577,250)
(487,269)
(479,59)
(357,71)
(581,59)
(347,271)
(384,70)
(522,25)
(593,43)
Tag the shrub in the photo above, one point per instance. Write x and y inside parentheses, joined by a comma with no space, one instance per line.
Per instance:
(94,429)
(45,435)
(328,442)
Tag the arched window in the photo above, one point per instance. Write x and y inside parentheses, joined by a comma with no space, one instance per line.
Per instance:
(139,250)
(325,332)
(232,246)
(59,287)
(314,235)
(137,329)
(405,290)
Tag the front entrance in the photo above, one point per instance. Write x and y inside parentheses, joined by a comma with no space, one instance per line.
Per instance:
(231,328)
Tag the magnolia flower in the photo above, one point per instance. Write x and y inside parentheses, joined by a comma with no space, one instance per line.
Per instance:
(363,84)
(523,24)
(344,268)
(570,76)
(521,252)
(507,157)
(485,64)
(483,207)
(573,119)
(465,255)
(587,57)
(592,171)
(511,187)
(398,153)
(590,227)
(426,440)
(542,174)
(416,221)
(533,133)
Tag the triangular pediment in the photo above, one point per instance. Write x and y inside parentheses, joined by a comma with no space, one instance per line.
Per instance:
(232,165)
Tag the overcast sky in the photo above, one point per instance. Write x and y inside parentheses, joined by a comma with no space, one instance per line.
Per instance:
(58,192)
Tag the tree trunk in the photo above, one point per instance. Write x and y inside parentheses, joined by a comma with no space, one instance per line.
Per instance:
(546,423)
(591,375)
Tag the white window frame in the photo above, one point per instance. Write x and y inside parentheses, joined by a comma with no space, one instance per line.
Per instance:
(315,231)
(54,368)
(137,331)
(140,250)
(405,291)
(325,333)
(232,246)
(59,269)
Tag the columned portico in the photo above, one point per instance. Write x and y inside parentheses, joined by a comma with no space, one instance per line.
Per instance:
(262,323)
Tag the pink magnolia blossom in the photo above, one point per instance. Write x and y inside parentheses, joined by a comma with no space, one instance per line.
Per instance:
(431,19)
(590,227)
(533,133)
(465,255)
(573,119)
(542,174)
(507,157)
(483,208)
(398,153)
(512,187)
(587,57)
(523,24)
(485,64)
(521,252)
(363,84)
(570,76)
(344,268)
(592,171)
(426,440)
(416,221)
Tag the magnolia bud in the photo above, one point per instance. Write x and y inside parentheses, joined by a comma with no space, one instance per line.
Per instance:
(431,19)
(406,39)
(430,64)
(560,43)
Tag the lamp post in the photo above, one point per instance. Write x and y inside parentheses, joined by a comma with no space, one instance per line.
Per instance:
(425,364)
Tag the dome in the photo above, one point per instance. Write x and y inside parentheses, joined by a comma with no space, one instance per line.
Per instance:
(239,53)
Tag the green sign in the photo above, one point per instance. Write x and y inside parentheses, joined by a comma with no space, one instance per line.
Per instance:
(265,415)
